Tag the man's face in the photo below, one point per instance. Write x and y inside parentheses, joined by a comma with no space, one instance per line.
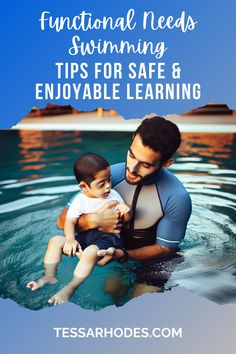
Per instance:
(141,161)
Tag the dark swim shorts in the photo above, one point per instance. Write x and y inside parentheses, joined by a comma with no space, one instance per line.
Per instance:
(100,239)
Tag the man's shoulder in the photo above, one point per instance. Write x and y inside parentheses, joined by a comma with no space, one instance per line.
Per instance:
(172,183)
(172,191)
(117,172)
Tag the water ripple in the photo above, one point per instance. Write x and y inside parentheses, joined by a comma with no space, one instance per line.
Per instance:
(41,180)
(23,203)
(53,190)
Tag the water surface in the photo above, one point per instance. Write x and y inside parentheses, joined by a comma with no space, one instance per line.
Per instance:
(36,181)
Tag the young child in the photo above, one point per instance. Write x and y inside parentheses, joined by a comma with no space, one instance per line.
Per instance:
(94,178)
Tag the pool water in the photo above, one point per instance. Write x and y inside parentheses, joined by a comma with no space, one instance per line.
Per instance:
(36,181)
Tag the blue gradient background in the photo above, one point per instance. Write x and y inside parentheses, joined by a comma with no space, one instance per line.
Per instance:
(208,56)
(207,328)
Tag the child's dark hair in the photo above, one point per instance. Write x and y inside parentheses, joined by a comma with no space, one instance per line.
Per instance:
(87,166)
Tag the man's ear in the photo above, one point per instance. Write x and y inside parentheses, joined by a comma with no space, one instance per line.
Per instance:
(83,185)
(168,163)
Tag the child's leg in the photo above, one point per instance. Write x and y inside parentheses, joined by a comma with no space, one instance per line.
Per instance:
(83,269)
(51,261)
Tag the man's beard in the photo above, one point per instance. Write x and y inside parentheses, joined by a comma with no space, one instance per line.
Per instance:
(142,179)
(135,174)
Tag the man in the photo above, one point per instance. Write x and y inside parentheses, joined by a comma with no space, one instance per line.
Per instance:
(161,205)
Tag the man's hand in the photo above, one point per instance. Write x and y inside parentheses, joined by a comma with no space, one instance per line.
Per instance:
(107,219)
(107,258)
(70,248)
(104,219)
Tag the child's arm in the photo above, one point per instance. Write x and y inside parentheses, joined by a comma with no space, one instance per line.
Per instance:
(71,245)
(125,211)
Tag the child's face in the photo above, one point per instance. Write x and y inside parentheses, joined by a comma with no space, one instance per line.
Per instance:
(100,187)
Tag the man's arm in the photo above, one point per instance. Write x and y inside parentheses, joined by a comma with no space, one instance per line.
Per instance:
(88,221)
(62,218)
(150,252)
(139,254)
(104,219)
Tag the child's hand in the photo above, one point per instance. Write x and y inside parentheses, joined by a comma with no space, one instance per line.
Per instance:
(71,247)
(122,208)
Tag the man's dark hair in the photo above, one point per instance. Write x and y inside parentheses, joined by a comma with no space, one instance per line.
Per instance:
(160,135)
(87,166)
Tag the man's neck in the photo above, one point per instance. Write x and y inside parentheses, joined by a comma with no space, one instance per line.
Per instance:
(153,177)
